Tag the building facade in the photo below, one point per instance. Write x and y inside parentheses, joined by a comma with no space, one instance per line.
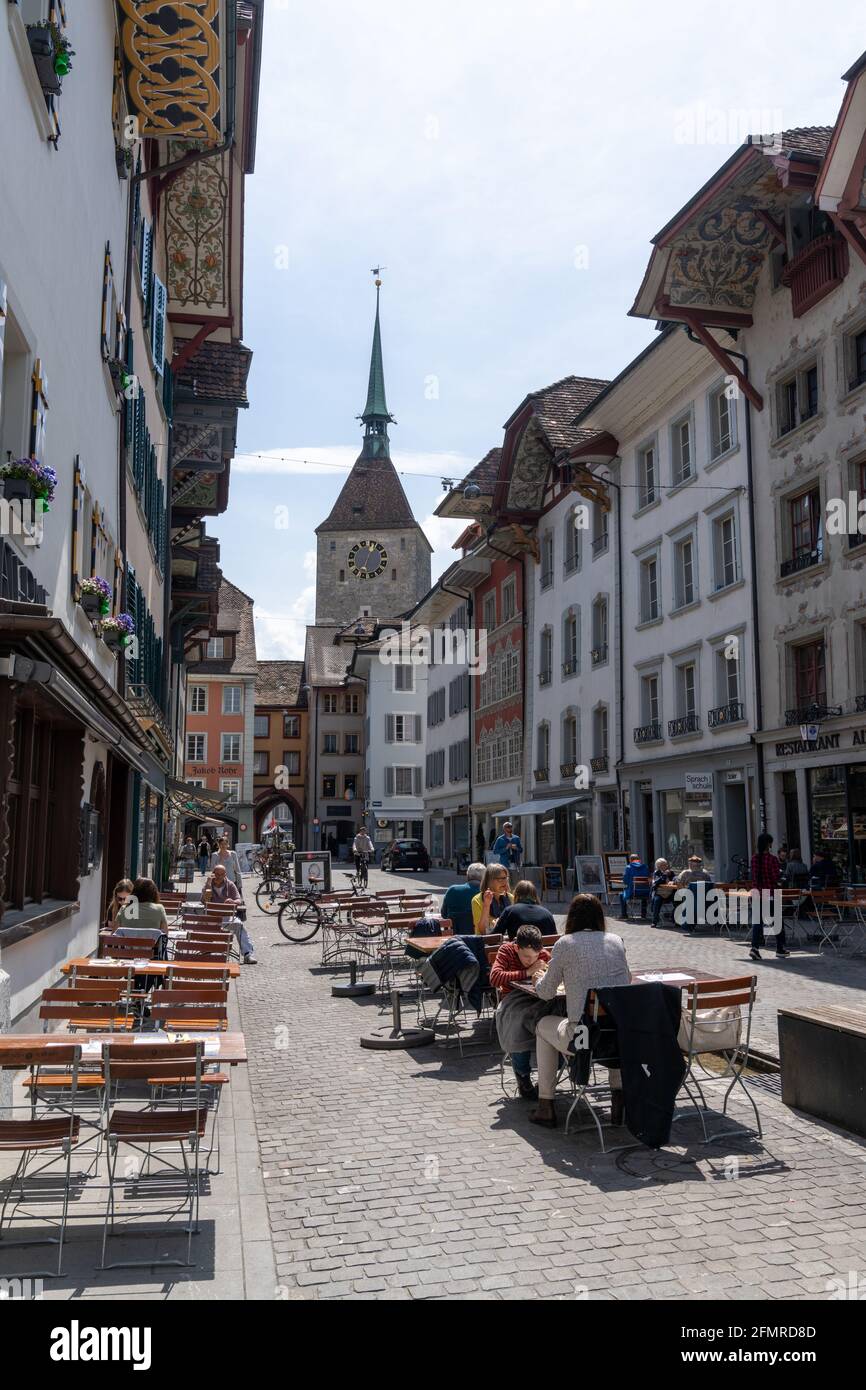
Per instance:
(280,747)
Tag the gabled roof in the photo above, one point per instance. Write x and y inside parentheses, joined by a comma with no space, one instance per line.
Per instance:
(372,496)
(235,618)
(215,372)
(555,407)
(280,683)
(484,476)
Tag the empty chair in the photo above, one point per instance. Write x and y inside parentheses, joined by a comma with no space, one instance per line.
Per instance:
(101,1004)
(717,1018)
(123,947)
(201,951)
(204,1008)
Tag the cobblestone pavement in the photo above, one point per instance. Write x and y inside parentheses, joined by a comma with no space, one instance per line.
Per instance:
(409,1175)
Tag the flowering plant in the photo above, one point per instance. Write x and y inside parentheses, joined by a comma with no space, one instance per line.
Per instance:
(40,476)
(95,596)
(123,625)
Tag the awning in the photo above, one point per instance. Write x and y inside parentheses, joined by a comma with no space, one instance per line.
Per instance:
(535,808)
(194,801)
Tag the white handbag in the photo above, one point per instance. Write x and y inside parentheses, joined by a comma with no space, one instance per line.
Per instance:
(715,1030)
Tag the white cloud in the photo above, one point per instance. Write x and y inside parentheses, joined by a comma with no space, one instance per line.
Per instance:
(280,636)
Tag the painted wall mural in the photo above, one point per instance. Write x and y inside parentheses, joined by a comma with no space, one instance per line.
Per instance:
(197,234)
(172,64)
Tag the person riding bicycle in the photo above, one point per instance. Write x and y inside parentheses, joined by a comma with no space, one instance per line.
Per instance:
(362,848)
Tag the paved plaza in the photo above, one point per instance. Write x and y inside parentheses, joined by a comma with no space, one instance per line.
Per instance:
(349,1173)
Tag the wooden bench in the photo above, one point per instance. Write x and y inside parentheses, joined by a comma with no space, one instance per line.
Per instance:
(823,1057)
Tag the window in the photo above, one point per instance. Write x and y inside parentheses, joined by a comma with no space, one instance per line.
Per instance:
(329,785)
(650,706)
(458,694)
(600,732)
(231,699)
(351,743)
(543,749)
(797,398)
(231,787)
(571,541)
(291,726)
(805,538)
(727,677)
(329,703)
(810,674)
(435,768)
(547,560)
(198,699)
(509,599)
(488,611)
(600,534)
(329,743)
(649,589)
(292,762)
(436,706)
(646,476)
(231,748)
(570,644)
(599,632)
(545,660)
(260,763)
(261,726)
(725,561)
(350,785)
(196,748)
(569,741)
(857,476)
(685,591)
(686,698)
(215,648)
(406,728)
(681,450)
(353,703)
(458,761)
(404,678)
(722,419)
(855,359)
(402,781)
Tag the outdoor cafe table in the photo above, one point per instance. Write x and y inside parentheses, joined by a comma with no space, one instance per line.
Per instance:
(34,1049)
(682,975)
(155,967)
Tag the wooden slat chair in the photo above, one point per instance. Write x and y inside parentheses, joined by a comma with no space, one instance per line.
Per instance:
(102,1005)
(58,1135)
(148,1130)
(189,975)
(201,952)
(702,1026)
(585,1092)
(203,1009)
(638,906)
(114,947)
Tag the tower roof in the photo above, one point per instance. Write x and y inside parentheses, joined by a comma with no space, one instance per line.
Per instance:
(372,496)
(376,407)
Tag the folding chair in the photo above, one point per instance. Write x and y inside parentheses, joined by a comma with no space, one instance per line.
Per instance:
(144,1129)
(100,1005)
(585,1092)
(204,1008)
(717,1020)
(116,947)
(34,1136)
(201,953)
(192,975)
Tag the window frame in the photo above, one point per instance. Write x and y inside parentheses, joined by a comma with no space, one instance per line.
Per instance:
(196,733)
(224,757)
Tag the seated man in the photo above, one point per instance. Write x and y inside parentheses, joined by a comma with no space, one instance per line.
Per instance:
(635,868)
(457,903)
(220,889)
(822,872)
(517,962)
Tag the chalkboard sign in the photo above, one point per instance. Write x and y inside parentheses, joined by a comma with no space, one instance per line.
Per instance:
(551,879)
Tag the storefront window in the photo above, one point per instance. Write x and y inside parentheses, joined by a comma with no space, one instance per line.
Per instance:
(837,805)
(437,839)
(547,839)
(460,832)
(687,828)
(609,822)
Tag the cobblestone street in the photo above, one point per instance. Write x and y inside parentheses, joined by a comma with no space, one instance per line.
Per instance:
(407,1174)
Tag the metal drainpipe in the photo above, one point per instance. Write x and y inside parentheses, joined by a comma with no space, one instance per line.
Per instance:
(753,560)
(470,612)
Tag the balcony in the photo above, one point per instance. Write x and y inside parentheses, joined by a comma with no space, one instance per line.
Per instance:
(545,677)
(542,774)
(569,668)
(734,712)
(811,714)
(815,271)
(568,769)
(599,764)
(804,561)
(598,655)
(685,724)
(179,68)
(648,733)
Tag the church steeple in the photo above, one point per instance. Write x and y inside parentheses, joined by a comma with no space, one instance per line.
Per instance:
(376,416)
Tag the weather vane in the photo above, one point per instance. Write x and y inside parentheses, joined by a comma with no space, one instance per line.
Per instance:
(376,270)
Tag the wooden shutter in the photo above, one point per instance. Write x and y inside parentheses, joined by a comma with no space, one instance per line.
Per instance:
(157,324)
(145,265)
(39,409)
(389,781)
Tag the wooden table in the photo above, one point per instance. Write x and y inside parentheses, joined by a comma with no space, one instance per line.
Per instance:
(34,1049)
(155,967)
(687,973)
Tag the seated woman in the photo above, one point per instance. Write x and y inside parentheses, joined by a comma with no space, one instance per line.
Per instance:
(119,899)
(586,957)
(491,900)
(663,888)
(526,911)
(517,962)
(143,913)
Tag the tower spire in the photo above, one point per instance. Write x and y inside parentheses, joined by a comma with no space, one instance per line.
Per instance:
(376,416)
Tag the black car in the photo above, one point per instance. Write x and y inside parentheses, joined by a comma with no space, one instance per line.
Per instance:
(405,854)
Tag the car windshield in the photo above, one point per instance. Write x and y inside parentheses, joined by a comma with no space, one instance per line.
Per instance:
(408,844)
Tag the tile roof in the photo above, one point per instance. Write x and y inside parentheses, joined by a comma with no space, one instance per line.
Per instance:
(808,139)
(215,372)
(235,616)
(485,473)
(372,496)
(326,663)
(557,406)
(279,683)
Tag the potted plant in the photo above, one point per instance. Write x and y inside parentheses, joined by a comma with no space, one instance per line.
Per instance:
(52,54)
(117,632)
(119,374)
(123,160)
(95,597)
(28,479)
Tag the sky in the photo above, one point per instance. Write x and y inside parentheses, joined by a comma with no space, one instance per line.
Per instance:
(507,164)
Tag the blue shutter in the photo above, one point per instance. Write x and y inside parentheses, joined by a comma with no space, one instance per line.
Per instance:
(157,324)
(145,265)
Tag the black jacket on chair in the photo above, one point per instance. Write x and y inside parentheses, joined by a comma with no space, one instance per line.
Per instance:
(647,1018)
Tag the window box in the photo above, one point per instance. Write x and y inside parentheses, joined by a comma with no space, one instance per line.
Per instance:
(51,54)
(815,271)
(117,633)
(27,480)
(95,598)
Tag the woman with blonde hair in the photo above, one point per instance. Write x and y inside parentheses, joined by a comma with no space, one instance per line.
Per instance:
(491,900)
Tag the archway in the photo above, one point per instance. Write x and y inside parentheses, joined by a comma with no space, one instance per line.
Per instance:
(282,807)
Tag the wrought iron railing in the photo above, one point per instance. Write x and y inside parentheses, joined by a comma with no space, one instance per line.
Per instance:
(599,764)
(685,724)
(598,655)
(803,561)
(733,712)
(148,713)
(542,774)
(567,769)
(648,733)
(811,714)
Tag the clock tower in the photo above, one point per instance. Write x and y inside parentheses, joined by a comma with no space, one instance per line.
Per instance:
(371,554)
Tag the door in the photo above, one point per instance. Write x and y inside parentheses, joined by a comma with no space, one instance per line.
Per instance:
(736,828)
(649,829)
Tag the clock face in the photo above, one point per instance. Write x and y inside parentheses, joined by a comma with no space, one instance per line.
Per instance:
(367,559)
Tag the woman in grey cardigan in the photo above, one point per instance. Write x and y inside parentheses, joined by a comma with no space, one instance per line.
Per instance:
(229,860)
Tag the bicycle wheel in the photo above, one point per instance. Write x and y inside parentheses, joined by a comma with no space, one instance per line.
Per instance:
(299,919)
(363,876)
(269,894)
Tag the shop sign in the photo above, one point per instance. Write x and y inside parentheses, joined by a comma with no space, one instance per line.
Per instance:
(735,776)
(698,783)
(645,786)
(820,745)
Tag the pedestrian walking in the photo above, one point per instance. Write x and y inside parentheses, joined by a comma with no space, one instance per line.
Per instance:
(766,876)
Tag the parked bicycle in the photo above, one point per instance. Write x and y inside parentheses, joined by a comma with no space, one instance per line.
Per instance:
(272,891)
(302,914)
